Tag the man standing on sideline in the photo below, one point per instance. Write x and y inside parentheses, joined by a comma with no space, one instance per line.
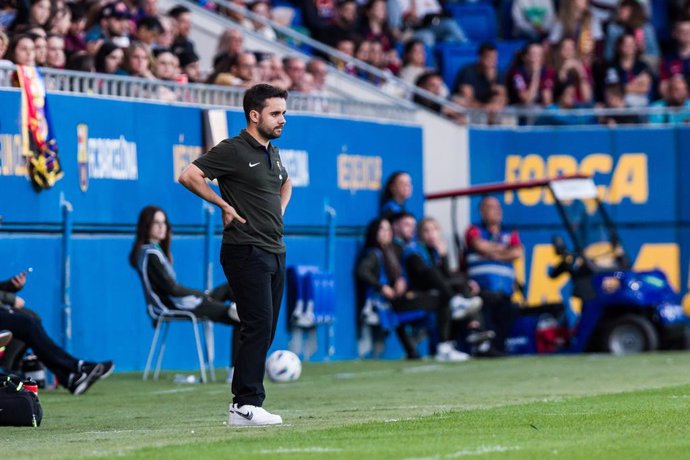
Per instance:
(255,191)
(491,251)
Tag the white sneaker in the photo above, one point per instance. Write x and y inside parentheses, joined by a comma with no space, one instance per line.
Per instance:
(461,307)
(446,352)
(248,415)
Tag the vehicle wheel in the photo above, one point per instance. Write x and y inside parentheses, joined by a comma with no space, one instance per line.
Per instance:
(630,334)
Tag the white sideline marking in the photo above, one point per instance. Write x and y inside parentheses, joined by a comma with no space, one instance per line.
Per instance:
(468,452)
(480,451)
(176,390)
(299,450)
(427,368)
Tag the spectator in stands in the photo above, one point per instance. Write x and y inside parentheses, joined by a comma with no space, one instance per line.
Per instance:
(423,276)
(41,47)
(261,8)
(82,61)
(414,61)
(166,65)
(565,96)
(374,25)
(32,13)
(479,85)
(74,374)
(109,58)
(295,69)
(614,98)
(75,36)
(427,20)
(570,69)
(4,45)
(62,19)
(56,51)
(270,70)
(530,82)
(490,254)
(151,257)
(396,192)
(318,68)
(433,83)
(240,71)
(190,66)
(631,19)
(148,8)
(113,25)
(137,62)
(370,53)
(675,102)
(343,25)
(230,43)
(533,19)
(678,60)
(22,50)
(629,69)
(347,47)
(148,30)
(183,25)
(317,15)
(575,21)
(167,36)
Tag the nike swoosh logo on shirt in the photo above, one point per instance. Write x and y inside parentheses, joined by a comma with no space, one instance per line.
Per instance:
(251,165)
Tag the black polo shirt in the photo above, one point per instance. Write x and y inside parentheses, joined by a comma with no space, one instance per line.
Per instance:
(250,178)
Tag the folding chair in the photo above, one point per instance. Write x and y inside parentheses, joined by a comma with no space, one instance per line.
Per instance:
(162,316)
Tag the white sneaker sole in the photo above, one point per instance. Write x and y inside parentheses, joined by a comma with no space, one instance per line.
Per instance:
(237,421)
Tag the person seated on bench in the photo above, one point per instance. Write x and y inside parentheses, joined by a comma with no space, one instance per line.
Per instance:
(74,374)
(151,257)
(429,258)
(380,270)
(425,277)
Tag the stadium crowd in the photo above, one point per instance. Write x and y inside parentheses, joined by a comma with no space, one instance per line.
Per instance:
(576,54)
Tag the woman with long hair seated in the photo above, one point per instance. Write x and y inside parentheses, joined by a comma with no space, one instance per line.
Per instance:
(151,257)
(381,275)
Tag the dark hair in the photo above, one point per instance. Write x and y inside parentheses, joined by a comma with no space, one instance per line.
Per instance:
(619,43)
(144,229)
(400,215)
(103,52)
(256,96)
(387,193)
(485,48)
(178,10)
(81,61)
(371,233)
(407,49)
(12,46)
(150,23)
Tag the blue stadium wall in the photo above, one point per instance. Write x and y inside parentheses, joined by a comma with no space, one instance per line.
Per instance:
(133,152)
(640,174)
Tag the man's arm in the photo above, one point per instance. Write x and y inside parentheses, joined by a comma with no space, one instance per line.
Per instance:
(285,194)
(194,180)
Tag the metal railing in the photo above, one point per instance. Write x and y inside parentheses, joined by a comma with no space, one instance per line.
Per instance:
(96,84)
(509,116)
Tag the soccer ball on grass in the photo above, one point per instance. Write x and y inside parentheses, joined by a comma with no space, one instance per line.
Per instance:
(283,366)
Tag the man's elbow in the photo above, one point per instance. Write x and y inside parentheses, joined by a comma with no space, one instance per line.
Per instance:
(185,177)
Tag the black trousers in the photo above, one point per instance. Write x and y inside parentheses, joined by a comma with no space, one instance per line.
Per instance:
(499,314)
(30,331)
(257,279)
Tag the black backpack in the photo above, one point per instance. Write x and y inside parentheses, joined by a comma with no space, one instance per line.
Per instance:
(18,406)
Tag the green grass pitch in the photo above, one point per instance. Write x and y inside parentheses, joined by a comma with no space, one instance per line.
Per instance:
(583,407)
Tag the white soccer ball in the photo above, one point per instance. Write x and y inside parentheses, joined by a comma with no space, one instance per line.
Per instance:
(283,366)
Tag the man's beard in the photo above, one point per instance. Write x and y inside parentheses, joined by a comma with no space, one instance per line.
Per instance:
(268,134)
